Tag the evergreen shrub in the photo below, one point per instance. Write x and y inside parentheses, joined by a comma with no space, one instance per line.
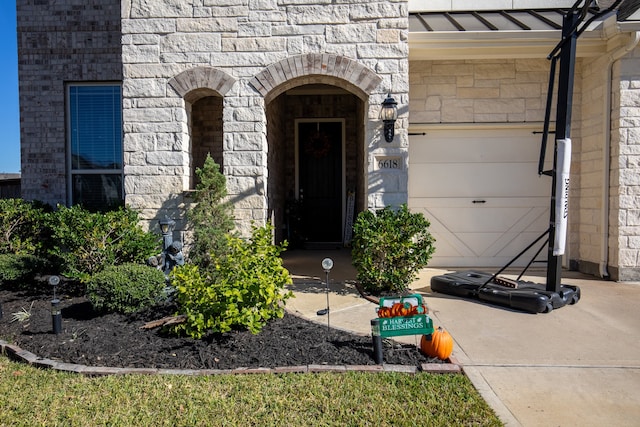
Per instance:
(18,271)
(22,229)
(126,288)
(84,242)
(389,247)
(211,216)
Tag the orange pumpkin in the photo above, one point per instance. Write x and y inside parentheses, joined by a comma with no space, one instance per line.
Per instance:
(440,345)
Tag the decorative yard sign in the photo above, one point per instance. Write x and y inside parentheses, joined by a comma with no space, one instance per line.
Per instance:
(420,324)
(404,316)
(399,316)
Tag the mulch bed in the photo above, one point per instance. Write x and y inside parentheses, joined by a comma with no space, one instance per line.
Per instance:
(115,340)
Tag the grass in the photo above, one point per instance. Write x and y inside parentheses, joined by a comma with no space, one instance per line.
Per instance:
(32,396)
(23,315)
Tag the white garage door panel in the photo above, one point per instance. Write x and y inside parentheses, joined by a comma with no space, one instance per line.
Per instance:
(438,147)
(483,237)
(496,168)
(486,219)
(476,180)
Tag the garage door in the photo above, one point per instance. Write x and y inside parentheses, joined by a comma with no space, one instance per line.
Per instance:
(481,192)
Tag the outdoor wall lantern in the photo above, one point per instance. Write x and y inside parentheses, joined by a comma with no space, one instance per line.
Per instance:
(166,227)
(388,115)
(56,313)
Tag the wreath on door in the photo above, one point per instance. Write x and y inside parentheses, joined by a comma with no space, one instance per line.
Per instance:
(318,145)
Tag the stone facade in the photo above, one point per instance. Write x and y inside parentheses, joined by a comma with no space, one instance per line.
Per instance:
(233,78)
(625,176)
(606,169)
(248,53)
(486,91)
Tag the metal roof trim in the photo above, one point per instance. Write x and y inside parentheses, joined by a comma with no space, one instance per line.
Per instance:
(536,20)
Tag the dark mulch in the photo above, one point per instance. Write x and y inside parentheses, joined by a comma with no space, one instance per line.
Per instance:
(95,339)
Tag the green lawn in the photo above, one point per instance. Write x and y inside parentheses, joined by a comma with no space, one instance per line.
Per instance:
(31,396)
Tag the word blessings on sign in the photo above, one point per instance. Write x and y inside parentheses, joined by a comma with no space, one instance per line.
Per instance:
(420,324)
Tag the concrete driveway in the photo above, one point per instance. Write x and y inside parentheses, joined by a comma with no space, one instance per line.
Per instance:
(578,365)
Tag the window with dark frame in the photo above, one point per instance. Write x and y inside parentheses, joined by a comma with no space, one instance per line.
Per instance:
(95,145)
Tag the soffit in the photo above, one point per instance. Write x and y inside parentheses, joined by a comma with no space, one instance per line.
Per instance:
(530,33)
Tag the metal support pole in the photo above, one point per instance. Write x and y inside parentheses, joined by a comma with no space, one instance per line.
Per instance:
(328,310)
(327,265)
(567,58)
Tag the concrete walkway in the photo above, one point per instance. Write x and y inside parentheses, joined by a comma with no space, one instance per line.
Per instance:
(578,365)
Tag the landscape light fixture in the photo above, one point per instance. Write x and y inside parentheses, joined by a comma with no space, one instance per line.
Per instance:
(378,355)
(327,265)
(389,115)
(56,313)
(166,227)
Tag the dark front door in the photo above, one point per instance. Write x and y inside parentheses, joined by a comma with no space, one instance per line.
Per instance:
(320,180)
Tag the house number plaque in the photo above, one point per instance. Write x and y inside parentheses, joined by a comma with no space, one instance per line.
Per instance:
(389,162)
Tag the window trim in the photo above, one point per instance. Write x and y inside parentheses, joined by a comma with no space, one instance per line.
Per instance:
(70,171)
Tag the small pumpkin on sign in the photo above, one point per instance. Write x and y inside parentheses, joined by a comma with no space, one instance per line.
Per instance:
(439,345)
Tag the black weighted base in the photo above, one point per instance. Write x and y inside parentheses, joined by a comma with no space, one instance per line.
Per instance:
(521,295)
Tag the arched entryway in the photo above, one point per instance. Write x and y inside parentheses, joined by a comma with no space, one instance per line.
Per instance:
(316,162)
(317,108)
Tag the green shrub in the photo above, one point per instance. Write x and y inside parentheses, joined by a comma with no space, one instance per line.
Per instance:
(389,247)
(210,218)
(19,271)
(126,288)
(84,243)
(246,289)
(21,226)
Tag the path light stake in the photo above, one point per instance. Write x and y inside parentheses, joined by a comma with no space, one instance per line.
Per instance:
(327,265)
(56,313)
(377,341)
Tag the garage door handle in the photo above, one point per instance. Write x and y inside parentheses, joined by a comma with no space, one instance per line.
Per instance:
(479,201)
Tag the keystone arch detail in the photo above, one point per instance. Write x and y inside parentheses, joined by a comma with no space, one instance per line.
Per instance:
(315,68)
(197,82)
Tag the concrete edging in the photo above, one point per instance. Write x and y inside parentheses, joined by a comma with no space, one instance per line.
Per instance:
(16,353)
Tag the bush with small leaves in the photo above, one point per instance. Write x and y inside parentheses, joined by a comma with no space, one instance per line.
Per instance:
(246,290)
(126,288)
(19,271)
(85,242)
(389,247)
(21,226)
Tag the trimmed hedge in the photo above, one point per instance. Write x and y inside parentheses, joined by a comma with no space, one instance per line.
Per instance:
(19,271)
(389,247)
(126,288)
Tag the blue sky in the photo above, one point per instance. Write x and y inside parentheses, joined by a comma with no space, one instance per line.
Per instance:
(9,110)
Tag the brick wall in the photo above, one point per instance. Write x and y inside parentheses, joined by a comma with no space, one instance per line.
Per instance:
(58,41)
